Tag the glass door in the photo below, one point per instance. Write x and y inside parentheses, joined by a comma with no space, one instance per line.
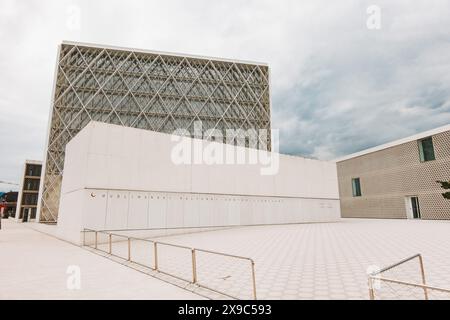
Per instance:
(415,207)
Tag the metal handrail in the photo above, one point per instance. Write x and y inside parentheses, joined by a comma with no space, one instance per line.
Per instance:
(173,245)
(224,254)
(376,276)
(418,255)
(412,284)
(155,256)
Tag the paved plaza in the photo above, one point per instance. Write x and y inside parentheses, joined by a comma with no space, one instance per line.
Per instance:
(303,261)
(33,265)
(330,260)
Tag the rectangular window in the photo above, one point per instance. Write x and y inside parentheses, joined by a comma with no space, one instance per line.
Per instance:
(426,149)
(356,187)
(33,170)
(31,184)
(29,199)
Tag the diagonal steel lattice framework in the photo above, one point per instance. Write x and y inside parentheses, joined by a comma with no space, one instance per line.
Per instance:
(148,90)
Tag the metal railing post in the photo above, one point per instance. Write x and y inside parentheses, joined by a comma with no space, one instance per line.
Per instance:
(155,254)
(422,271)
(129,249)
(110,243)
(254,279)
(96,240)
(194,266)
(371,291)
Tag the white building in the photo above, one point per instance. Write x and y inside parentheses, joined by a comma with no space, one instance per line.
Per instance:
(29,191)
(117,177)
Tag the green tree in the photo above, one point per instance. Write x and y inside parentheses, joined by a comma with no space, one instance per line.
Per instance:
(446,186)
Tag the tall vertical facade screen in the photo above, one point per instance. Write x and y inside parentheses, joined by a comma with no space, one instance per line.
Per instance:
(148,90)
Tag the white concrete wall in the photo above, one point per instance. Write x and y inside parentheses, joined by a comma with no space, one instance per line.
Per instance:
(118,177)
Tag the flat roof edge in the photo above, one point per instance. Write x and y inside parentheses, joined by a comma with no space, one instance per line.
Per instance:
(33,161)
(394,143)
(164,53)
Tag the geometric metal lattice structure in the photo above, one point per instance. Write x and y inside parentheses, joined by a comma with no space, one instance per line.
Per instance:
(148,90)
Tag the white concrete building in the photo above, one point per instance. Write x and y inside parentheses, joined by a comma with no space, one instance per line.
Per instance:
(117,177)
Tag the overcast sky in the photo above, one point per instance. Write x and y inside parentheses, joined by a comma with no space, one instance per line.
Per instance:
(337,86)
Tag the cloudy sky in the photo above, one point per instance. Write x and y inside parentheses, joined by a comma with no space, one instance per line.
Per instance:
(337,86)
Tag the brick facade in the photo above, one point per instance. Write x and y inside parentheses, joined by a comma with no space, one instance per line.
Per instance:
(389,175)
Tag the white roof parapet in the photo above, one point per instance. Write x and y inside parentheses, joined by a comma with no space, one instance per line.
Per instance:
(163,53)
(417,136)
(33,161)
